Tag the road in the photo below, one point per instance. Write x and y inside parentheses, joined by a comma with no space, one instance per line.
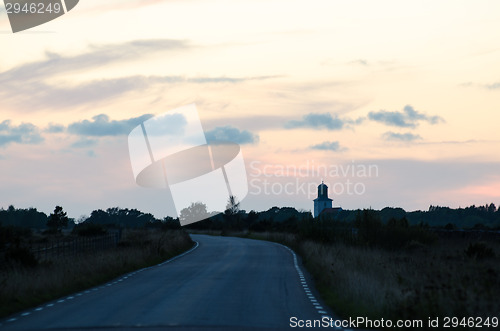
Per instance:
(224,283)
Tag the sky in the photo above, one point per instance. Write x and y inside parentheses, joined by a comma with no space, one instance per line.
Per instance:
(391,103)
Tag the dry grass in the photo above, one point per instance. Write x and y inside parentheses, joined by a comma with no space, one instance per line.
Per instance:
(21,288)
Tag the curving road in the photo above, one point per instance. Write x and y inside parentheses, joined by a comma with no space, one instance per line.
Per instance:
(224,283)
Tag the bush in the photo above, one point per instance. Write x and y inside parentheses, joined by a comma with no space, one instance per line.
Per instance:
(89,229)
(479,251)
(22,256)
(370,227)
(10,235)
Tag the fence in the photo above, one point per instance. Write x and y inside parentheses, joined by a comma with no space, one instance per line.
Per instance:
(72,248)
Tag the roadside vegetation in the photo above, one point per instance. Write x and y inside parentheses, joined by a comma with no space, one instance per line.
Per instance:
(41,265)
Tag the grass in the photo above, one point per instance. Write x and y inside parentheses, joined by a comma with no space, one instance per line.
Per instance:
(22,287)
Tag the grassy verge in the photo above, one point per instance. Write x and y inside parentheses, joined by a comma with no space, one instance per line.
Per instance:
(22,288)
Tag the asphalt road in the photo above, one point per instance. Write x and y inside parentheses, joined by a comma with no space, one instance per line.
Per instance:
(224,283)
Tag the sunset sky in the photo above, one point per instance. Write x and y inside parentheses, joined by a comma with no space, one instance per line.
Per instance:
(410,88)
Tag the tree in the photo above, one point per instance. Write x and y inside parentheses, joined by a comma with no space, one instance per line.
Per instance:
(232,213)
(57,220)
(233,206)
(197,211)
(251,218)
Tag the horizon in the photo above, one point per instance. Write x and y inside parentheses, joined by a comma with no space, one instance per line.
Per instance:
(215,213)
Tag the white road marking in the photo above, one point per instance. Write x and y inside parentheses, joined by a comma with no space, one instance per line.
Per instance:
(303,281)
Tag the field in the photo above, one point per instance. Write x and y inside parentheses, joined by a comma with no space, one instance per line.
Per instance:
(27,286)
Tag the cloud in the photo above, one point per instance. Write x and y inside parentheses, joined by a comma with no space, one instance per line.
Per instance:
(168,124)
(25,133)
(54,128)
(317,121)
(84,143)
(229,133)
(95,56)
(250,122)
(493,86)
(327,146)
(101,126)
(202,80)
(458,142)
(33,78)
(360,62)
(42,94)
(401,136)
(408,118)
(37,79)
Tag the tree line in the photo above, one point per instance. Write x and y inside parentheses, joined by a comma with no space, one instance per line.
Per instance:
(287,219)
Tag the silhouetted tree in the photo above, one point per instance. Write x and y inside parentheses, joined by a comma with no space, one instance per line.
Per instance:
(232,213)
(233,206)
(197,211)
(57,220)
(25,218)
(171,223)
(251,218)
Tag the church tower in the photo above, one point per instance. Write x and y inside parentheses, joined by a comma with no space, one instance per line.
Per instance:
(322,201)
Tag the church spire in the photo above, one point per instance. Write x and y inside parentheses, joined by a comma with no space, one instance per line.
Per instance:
(322,201)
